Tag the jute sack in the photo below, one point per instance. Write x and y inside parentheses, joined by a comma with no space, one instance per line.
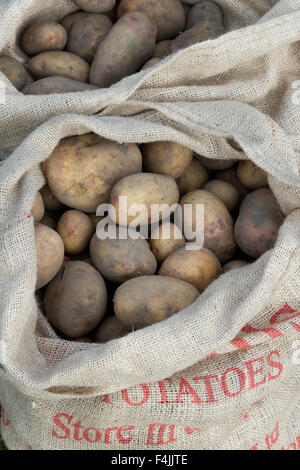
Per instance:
(222,374)
(249,63)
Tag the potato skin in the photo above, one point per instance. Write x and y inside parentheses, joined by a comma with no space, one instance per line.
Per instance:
(38,209)
(121,260)
(251,176)
(162,49)
(230,176)
(49,221)
(82,170)
(215,164)
(69,21)
(194,177)
(203,11)
(75,301)
(110,328)
(145,300)
(128,45)
(151,63)
(218,223)
(14,71)
(234,264)
(76,230)
(162,248)
(56,84)
(42,37)
(257,226)
(197,267)
(168,15)
(64,64)
(96,6)
(224,191)
(198,33)
(49,253)
(51,203)
(146,189)
(166,158)
(87,34)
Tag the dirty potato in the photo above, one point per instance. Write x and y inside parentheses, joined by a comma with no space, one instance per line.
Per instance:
(110,328)
(49,253)
(205,10)
(197,267)
(96,6)
(38,209)
(168,15)
(142,301)
(42,37)
(194,177)
(51,203)
(162,49)
(258,224)
(166,239)
(56,84)
(62,63)
(121,260)
(218,223)
(166,158)
(230,176)
(224,191)
(82,170)
(14,71)
(76,299)
(76,230)
(251,176)
(234,264)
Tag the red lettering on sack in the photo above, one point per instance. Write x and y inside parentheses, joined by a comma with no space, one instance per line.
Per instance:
(121,438)
(106,399)
(240,343)
(5,420)
(86,435)
(295,325)
(276,365)
(77,426)
(107,434)
(163,391)
(272,332)
(207,381)
(146,394)
(224,386)
(184,384)
(272,438)
(61,425)
(253,372)
(285,310)
(160,434)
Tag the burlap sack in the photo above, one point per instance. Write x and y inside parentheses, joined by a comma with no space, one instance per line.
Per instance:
(222,374)
(247,64)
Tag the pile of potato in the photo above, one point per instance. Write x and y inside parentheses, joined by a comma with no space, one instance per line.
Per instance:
(98,290)
(107,41)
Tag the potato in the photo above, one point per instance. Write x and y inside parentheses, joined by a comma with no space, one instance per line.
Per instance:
(145,300)
(110,328)
(151,63)
(224,191)
(69,21)
(251,175)
(120,260)
(51,203)
(257,226)
(42,37)
(56,84)
(49,221)
(82,170)
(96,6)
(14,71)
(87,34)
(230,176)
(49,253)
(146,189)
(168,15)
(95,219)
(197,267)
(38,209)
(76,230)
(198,33)
(82,339)
(205,10)
(166,158)
(85,256)
(215,164)
(218,223)
(75,301)
(162,49)
(59,63)
(125,49)
(193,177)
(165,240)
(234,264)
